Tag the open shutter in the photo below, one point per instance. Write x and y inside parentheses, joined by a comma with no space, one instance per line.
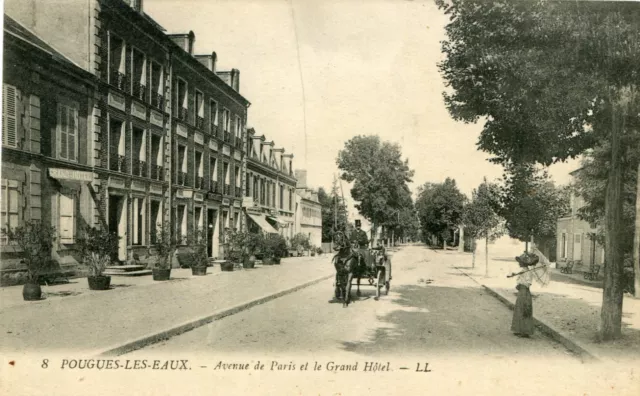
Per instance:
(9,116)
(67,217)
(63,120)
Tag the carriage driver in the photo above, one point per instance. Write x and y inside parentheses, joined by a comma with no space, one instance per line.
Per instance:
(359,237)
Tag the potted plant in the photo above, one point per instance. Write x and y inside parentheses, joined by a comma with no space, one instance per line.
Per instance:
(313,251)
(320,252)
(300,242)
(275,247)
(236,241)
(35,239)
(165,247)
(194,255)
(254,242)
(97,247)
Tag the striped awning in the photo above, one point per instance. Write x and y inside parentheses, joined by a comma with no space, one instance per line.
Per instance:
(262,222)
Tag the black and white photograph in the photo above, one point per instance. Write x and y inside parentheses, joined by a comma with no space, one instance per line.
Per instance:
(320,197)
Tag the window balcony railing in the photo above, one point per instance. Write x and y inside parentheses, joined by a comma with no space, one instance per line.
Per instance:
(140,91)
(183,114)
(227,189)
(213,186)
(118,163)
(213,130)
(227,136)
(139,168)
(239,192)
(153,236)
(182,178)
(199,182)
(118,80)
(157,172)
(199,122)
(157,101)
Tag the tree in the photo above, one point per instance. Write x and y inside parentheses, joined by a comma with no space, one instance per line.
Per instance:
(590,184)
(481,219)
(531,204)
(550,79)
(379,177)
(334,213)
(440,209)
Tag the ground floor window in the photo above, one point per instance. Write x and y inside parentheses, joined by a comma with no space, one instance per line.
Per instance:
(10,206)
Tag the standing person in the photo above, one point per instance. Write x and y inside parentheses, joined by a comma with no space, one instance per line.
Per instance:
(522,323)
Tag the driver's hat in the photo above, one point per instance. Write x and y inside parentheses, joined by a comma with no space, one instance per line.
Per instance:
(358,223)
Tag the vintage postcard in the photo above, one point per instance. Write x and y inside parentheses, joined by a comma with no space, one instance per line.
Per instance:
(320,197)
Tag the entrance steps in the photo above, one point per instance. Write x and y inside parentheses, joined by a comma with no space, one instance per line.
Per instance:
(127,270)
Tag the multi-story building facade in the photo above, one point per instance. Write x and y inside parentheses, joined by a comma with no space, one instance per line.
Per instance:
(47,149)
(308,210)
(270,187)
(574,241)
(165,129)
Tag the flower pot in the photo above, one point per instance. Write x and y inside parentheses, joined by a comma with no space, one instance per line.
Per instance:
(226,266)
(100,282)
(267,261)
(31,292)
(276,260)
(161,274)
(198,271)
(248,263)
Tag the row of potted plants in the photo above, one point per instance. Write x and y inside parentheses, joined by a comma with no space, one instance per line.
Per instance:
(98,248)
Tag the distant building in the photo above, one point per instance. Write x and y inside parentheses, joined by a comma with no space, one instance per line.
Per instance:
(269,202)
(308,210)
(573,237)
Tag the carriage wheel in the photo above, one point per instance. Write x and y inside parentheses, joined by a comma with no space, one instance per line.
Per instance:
(379,283)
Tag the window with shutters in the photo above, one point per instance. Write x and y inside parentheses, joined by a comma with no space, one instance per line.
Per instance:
(11,206)
(67,217)
(67,139)
(9,116)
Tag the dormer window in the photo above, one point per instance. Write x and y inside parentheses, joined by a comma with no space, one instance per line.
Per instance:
(135,4)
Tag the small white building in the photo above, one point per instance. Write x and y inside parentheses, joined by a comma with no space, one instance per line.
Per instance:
(308,214)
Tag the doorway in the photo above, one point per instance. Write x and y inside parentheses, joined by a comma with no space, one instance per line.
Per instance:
(577,247)
(211,231)
(118,224)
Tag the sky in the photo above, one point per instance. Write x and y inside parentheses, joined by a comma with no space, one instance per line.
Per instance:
(318,73)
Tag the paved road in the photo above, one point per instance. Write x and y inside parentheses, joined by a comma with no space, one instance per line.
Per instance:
(432,309)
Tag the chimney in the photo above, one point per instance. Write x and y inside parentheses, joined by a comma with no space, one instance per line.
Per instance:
(184,40)
(235,79)
(208,60)
(301,176)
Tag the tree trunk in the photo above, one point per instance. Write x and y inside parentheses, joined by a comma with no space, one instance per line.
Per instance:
(486,255)
(473,256)
(636,241)
(611,313)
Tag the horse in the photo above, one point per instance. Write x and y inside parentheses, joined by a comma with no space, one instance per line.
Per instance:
(347,263)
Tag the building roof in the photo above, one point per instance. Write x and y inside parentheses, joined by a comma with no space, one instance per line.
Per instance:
(15,29)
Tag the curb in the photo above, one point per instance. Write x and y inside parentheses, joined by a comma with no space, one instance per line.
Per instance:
(554,334)
(163,335)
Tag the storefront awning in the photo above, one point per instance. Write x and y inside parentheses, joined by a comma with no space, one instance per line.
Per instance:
(278,220)
(260,220)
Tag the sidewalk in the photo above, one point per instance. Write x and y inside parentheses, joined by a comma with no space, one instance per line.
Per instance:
(72,317)
(568,306)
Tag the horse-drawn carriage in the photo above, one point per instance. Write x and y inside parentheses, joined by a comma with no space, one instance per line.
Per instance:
(352,262)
